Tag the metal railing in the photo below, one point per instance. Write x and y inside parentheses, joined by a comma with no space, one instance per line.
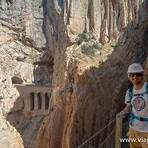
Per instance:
(101,137)
(104,137)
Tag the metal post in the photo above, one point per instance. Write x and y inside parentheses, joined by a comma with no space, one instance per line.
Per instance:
(118,134)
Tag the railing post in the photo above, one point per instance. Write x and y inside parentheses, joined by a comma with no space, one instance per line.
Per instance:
(118,134)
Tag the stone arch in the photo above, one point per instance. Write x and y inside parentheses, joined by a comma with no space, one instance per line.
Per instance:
(46,101)
(39,96)
(32,97)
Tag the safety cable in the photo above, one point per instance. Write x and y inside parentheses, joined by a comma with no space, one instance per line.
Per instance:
(100,145)
(98,132)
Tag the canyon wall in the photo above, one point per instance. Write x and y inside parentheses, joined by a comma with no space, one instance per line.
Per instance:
(88,93)
(22,46)
(24,59)
(47,42)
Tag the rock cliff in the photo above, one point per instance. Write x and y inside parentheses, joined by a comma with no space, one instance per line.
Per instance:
(91,91)
(9,137)
(82,48)
(22,46)
(23,59)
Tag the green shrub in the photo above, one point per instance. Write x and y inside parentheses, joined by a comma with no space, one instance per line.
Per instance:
(89,45)
(84,37)
(89,49)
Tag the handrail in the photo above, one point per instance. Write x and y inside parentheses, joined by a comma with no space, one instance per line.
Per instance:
(98,132)
(100,146)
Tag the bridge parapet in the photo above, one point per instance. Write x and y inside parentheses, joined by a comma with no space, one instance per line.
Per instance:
(36,98)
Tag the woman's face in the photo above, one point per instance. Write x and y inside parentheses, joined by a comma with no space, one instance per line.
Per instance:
(136,78)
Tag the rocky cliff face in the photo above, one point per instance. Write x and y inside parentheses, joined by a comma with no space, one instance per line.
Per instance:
(90,43)
(90,92)
(9,137)
(23,59)
(22,46)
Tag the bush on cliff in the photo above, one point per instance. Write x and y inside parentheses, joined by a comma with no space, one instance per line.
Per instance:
(89,45)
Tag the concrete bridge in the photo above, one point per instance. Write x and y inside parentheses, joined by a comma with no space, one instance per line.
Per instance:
(36,98)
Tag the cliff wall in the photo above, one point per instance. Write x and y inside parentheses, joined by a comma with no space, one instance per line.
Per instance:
(87,93)
(82,48)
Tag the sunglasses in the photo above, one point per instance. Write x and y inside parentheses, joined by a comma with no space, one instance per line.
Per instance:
(136,74)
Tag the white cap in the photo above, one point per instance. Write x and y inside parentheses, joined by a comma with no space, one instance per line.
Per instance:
(135,68)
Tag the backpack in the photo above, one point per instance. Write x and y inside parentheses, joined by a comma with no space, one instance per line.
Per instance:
(133,117)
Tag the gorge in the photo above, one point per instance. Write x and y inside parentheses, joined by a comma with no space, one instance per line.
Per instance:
(79,50)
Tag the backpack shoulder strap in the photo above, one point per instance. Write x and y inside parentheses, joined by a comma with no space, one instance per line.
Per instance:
(130,93)
(146,88)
